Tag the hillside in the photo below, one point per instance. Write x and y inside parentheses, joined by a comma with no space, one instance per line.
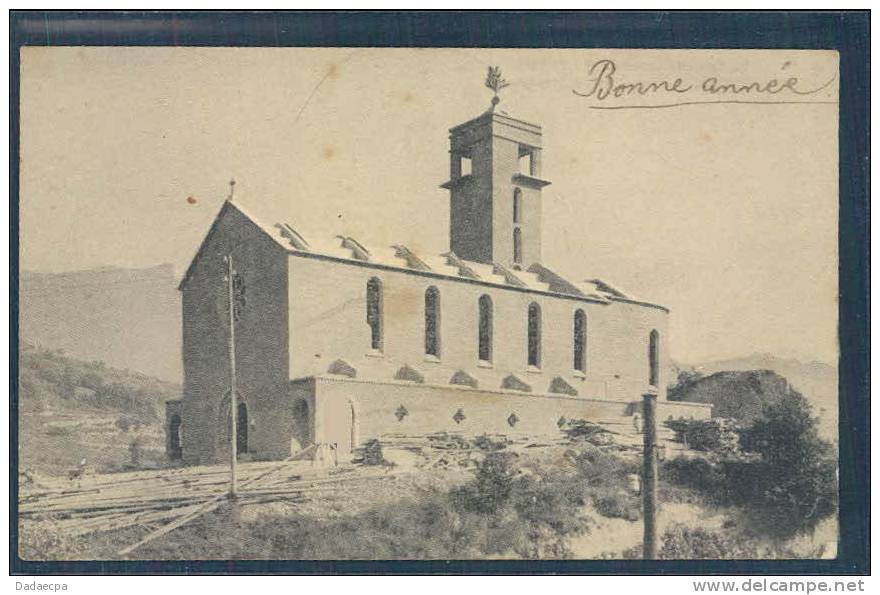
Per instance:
(128,318)
(817,381)
(737,395)
(71,410)
(742,395)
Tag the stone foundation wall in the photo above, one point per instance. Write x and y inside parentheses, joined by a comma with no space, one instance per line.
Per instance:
(350,411)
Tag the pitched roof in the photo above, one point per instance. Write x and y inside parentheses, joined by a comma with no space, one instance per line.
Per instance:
(537,277)
(277,235)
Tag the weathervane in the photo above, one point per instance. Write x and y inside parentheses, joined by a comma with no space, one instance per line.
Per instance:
(231,188)
(496,83)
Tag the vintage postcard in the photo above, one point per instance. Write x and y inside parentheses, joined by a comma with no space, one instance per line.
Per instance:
(428,304)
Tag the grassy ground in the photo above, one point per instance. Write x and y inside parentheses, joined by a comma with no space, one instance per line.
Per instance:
(71,410)
(524,506)
(552,502)
(540,503)
(65,439)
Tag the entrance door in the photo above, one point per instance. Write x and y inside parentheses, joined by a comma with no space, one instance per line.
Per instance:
(175,448)
(300,433)
(340,426)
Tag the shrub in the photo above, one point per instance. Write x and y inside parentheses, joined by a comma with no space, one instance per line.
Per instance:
(618,504)
(791,483)
(680,542)
(492,486)
(598,468)
(484,442)
(685,380)
(711,435)
(503,510)
(696,474)
(53,430)
(134,452)
(796,478)
(605,479)
(43,540)
(372,453)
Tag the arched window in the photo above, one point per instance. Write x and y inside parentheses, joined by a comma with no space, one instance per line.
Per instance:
(517,245)
(374,312)
(654,358)
(241,429)
(534,328)
(432,322)
(580,341)
(485,329)
(517,205)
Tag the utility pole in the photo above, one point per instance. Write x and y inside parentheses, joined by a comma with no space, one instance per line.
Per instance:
(649,473)
(233,400)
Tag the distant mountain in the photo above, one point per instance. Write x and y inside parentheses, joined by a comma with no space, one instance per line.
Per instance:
(127,318)
(817,381)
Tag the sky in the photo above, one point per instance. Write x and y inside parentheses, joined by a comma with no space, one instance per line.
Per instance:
(725,213)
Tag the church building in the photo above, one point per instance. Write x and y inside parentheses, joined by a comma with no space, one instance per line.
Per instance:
(338,342)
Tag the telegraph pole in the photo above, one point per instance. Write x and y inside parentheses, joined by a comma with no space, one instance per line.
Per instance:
(649,473)
(233,439)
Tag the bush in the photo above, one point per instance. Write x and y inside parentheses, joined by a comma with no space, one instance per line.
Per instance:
(599,468)
(484,442)
(372,453)
(135,449)
(44,540)
(621,505)
(791,484)
(53,430)
(680,542)
(605,478)
(530,512)
(491,488)
(697,474)
(796,478)
(504,510)
(711,435)
(684,379)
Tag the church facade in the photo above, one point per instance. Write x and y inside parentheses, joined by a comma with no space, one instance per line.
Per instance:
(337,342)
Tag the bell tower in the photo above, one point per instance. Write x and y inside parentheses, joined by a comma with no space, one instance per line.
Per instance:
(495,187)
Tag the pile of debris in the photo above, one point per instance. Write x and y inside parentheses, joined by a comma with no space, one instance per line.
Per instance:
(441,449)
(581,430)
(161,501)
